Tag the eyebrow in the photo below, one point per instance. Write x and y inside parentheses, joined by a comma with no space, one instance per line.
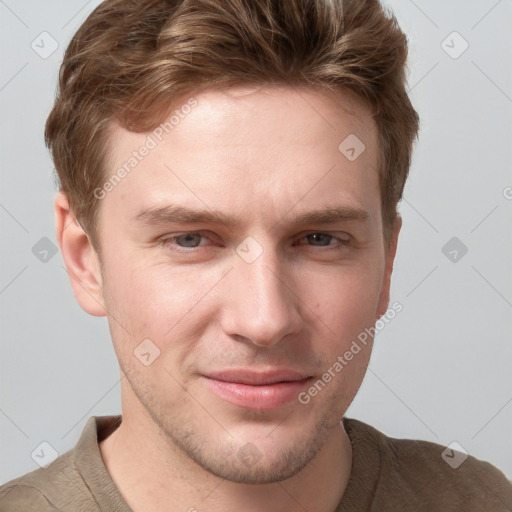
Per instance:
(174,214)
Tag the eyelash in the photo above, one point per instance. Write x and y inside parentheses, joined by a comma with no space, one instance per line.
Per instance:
(170,241)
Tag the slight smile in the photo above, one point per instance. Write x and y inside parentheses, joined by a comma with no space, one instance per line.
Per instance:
(257,390)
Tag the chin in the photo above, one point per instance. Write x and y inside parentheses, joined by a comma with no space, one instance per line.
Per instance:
(261,461)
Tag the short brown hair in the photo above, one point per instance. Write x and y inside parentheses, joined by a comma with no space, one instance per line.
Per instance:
(131,60)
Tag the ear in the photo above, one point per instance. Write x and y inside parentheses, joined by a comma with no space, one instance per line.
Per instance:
(388,269)
(80,258)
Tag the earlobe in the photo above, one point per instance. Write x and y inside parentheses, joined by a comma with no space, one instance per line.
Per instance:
(389,258)
(80,258)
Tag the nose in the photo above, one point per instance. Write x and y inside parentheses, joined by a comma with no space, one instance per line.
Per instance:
(260,306)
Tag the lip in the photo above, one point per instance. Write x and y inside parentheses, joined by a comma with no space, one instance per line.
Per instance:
(263,390)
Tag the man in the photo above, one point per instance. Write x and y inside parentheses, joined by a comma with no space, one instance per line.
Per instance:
(230,173)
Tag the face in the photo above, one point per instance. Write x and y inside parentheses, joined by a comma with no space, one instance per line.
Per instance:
(247,250)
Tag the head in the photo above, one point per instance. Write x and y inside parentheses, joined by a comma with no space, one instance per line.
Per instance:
(279,136)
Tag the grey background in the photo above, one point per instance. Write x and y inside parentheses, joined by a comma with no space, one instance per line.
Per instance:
(440,370)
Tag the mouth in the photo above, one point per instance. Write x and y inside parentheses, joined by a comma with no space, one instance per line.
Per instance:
(265,390)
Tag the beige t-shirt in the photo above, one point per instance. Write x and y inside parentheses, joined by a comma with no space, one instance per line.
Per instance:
(387,475)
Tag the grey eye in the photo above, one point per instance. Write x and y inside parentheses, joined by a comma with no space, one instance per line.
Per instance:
(321,238)
(188,240)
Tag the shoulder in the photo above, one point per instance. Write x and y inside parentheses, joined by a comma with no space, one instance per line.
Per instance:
(422,472)
(16,496)
(35,490)
(77,480)
(57,487)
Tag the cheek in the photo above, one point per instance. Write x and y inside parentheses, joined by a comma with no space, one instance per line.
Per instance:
(153,301)
(344,300)
(345,304)
(172,305)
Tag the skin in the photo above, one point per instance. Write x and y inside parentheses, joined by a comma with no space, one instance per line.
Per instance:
(262,156)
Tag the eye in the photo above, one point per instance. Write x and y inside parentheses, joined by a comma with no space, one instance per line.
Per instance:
(187,242)
(184,241)
(325,240)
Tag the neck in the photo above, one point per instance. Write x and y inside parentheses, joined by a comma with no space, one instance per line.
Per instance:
(153,475)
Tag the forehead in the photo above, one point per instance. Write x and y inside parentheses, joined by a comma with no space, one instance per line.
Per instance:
(269,146)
